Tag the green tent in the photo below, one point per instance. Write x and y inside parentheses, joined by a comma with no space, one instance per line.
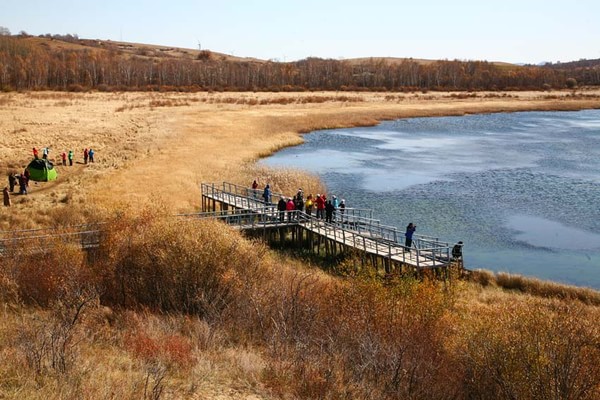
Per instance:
(41,170)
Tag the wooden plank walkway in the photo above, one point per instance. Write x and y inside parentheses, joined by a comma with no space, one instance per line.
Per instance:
(244,209)
(240,208)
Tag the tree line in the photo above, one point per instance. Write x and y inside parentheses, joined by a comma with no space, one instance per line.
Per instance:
(36,65)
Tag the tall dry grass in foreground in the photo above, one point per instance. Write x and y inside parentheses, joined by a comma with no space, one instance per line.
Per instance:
(171,308)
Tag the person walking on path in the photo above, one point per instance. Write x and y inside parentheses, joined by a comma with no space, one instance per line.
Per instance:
(36,153)
(22,184)
(63,156)
(410,230)
(85,156)
(6,195)
(91,155)
(12,181)
(70,158)
(281,207)
(267,194)
(27,175)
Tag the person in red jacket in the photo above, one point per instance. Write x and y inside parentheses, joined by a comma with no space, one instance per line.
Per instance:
(290,207)
(320,200)
(64,158)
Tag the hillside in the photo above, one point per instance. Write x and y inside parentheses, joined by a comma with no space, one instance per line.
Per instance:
(70,63)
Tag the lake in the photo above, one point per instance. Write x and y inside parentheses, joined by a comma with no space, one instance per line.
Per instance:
(521,190)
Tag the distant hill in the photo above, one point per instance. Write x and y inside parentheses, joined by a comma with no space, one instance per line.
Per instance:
(575,64)
(66,62)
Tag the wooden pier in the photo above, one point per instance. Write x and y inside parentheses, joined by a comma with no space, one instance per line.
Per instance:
(354,230)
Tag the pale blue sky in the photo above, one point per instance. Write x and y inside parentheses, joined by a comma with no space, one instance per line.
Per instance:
(528,31)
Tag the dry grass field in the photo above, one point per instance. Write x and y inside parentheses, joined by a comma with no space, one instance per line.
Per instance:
(172,310)
(158,147)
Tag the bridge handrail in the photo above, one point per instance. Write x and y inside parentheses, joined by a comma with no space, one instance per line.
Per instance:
(437,254)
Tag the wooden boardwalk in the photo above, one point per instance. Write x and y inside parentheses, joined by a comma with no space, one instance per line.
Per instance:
(354,230)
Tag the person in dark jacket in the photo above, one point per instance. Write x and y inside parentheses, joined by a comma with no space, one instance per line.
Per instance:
(267,194)
(12,181)
(410,230)
(329,209)
(281,207)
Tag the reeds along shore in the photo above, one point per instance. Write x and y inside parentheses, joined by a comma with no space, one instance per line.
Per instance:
(175,308)
(166,309)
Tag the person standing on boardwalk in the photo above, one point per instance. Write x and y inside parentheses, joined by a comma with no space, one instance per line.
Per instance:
(281,207)
(290,207)
(457,252)
(12,181)
(320,206)
(6,196)
(36,153)
(70,158)
(342,208)
(267,194)
(91,155)
(410,230)
(309,205)
(329,209)
(45,152)
(85,156)
(254,188)
(64,158)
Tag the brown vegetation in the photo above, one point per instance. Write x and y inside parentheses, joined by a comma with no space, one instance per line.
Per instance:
(173,306)
(170,308)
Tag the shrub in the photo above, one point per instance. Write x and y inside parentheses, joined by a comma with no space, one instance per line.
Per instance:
(571,83)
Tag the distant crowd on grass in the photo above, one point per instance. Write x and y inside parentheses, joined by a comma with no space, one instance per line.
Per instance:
(23,178)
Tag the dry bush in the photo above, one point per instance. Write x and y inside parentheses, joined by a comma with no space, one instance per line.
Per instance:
(170,264)
(532,349)
(363,339)
(43,269)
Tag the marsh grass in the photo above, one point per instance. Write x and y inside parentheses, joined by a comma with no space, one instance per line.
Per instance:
(536,287)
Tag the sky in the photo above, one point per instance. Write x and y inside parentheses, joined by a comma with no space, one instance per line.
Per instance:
(515,31)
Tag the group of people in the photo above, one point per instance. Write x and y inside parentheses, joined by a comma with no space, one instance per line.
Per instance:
(327,208)
(21,179)
(88,155)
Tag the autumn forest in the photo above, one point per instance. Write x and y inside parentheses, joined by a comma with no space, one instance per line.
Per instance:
(65,62)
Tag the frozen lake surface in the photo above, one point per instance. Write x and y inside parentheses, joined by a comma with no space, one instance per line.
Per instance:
(522,190)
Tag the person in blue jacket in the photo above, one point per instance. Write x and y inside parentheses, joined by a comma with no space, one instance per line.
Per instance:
(267,194)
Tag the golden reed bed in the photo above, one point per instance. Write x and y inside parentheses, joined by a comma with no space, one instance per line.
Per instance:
(158,147)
